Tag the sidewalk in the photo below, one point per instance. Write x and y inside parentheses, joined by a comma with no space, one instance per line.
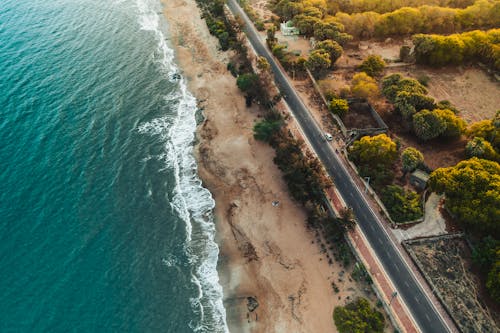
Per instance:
(395,308)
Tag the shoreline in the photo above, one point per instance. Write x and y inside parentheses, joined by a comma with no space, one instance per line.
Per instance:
(267,257)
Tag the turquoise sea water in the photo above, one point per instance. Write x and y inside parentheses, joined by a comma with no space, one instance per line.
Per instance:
(104,225)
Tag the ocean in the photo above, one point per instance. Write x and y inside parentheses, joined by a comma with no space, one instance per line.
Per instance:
(104,223)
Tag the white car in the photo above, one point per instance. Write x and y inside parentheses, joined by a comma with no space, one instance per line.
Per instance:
(328,137)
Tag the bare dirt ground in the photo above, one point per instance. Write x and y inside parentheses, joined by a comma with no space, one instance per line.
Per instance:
(470,89)
(262,9)
(447,263)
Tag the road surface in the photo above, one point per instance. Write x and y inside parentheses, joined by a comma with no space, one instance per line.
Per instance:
(424,313)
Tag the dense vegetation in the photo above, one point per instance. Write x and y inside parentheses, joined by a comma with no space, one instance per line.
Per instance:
(338,106)
(366,19)
(487,255)
(358,317)
(423,19)
(436,50)
(472,189)
(401,204)
(373,65)
(364,86)
(411,158)
(485,139)
(375,157)
(384,6)
(420,113)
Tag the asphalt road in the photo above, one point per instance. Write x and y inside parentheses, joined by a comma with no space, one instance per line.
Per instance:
(426,316)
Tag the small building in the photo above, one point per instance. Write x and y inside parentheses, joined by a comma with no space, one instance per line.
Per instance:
(287,29)
(419,178)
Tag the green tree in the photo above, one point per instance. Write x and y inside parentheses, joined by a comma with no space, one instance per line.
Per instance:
(454,125)
(331,30)
(263,64)
(493,280)
(271,40)
(318,61)
(358,317)
(347,219)
(472,190)
(338,106)
(306,24)
(411,158)
(428,125)
(391,85)
(364,86)
(403,206)
(248,83)
(266,129)
(408,103)
(332,47)
(373,65)
(378,149)
(395,83)
(487,129)
(375,156)
(479,147)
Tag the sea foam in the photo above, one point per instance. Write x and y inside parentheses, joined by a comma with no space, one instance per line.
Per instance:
(192,202)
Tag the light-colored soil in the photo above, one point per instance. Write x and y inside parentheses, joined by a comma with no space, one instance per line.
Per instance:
(470,89)
(261,8)
(294,43)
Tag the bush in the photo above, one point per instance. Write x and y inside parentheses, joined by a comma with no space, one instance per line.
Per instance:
(472,190)
(302,173)
(358,317)
(364,86)
(437,50)
(375,157)
(411,158)
(479,147)
(403,206)
(248,83)
(395,83)
(373,65)
(266,129)
(338,106)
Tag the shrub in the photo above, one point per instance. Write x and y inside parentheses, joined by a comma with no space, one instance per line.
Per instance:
(358,317)
(411,158)
(338,106)
(375,157)
(472,190)
(428,125)
(403,206)
(373,65)
(479,147)
(364,86)
(266,129)
(332,47)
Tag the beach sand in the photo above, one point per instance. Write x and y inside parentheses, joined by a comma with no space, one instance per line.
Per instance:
(266,251)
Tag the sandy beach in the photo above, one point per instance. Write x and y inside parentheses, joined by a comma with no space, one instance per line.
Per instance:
(266,251)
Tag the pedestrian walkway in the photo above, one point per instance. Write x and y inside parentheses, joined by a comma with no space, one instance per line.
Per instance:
(396,309)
